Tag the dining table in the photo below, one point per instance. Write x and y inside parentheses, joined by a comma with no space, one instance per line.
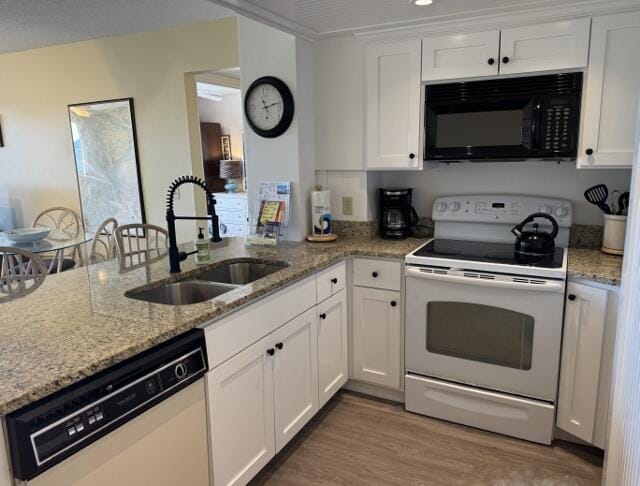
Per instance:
(53,246)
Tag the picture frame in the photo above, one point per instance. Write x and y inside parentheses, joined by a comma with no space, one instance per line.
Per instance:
(105,149)
(225,141)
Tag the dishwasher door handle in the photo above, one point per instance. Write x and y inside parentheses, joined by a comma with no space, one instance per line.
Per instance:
(498,281)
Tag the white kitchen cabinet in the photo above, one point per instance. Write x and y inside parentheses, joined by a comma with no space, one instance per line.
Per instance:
(612,88)
(333,364)
(393,105)
(241,412)
(526,49)
(582,383)
(545,47)
(330,281)
(377,332)
(295,376)
(465,55)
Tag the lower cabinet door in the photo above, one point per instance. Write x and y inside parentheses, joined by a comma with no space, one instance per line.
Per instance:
(333,364)
(377,357)
(582,342)
(295,376)
(240,393)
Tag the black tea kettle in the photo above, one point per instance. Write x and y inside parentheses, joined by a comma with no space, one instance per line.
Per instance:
(538,242)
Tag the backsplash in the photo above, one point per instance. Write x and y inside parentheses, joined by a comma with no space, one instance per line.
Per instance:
(587,236)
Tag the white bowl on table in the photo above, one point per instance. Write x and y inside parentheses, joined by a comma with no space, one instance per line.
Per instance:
(26,235)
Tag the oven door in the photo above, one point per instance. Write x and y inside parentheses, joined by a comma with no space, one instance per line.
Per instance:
(488,330)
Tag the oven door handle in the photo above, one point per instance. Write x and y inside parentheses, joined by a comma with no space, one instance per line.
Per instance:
(459,278)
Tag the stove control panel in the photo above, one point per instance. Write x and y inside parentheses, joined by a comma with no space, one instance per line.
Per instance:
(495,208)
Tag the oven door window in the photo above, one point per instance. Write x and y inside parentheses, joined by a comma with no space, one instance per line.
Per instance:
(481,333)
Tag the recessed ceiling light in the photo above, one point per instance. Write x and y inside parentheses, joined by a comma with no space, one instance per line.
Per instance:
(422,2)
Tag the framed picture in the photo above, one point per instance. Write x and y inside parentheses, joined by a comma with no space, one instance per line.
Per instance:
(107,164)
(225,141)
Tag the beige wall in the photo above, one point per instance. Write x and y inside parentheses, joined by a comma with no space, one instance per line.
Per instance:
(37,166)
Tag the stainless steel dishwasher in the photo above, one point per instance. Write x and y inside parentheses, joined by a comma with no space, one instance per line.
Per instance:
(140,422)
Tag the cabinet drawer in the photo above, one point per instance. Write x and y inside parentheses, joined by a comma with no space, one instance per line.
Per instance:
(379,274)
(233,217)
(330,281)
(233,204)
(505,414)
(232,229)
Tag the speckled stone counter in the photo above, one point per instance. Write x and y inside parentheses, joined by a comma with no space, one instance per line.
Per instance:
(594,265)
(80,322)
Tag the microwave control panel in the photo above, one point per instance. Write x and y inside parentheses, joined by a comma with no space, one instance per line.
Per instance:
(556,120)
(499,209)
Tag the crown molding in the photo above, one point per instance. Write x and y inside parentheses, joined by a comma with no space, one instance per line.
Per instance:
(481,19)
(505,18)
(246,9)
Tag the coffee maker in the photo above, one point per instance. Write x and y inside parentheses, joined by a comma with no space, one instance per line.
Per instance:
(397,216)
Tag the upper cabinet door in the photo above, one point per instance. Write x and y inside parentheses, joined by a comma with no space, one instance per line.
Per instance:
(393,106)
(544,47)
(461,56)
(610,99)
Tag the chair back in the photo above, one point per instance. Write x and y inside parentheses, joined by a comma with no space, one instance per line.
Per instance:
(103,246)
(64,223)
(21,272)
(140,243)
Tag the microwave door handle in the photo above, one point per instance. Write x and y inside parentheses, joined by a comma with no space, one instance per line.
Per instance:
(536,120)
(547,286)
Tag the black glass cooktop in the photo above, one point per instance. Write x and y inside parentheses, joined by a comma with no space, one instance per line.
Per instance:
(479,251)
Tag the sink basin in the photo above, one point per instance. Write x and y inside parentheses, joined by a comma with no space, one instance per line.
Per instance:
(240,273)
(183,293)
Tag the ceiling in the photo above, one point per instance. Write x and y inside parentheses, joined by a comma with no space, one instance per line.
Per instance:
(27,24)
(330,17)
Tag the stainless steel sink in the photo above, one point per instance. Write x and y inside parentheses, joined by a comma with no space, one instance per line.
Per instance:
(183,293)
(240,273)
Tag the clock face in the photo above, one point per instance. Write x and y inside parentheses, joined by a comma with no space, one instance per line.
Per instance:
(265,106)
(268,106)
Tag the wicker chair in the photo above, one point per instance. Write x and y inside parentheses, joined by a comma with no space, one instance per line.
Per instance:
(21,272)
(65,225)
(140,243)
(103,246)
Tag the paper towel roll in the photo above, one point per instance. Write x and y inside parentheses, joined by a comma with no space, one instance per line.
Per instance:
(321,212)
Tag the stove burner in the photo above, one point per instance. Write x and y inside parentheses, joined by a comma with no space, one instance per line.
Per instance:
(514,257)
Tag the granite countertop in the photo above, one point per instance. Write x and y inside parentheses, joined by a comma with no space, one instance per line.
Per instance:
(588,264)
(80,322)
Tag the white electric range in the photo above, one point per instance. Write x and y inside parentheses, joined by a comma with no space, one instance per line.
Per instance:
(484,321)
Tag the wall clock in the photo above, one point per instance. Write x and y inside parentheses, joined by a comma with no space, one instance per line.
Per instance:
(268,106)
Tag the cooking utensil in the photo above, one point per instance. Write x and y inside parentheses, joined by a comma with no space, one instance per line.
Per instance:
(623,203)
(613,203)
(538,242)
(598,195)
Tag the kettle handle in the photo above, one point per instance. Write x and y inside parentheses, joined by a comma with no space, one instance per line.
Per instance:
(517,230)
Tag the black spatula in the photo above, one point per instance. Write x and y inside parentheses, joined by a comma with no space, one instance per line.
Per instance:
(598,195)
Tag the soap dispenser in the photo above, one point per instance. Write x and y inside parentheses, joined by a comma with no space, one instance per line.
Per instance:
(202,248)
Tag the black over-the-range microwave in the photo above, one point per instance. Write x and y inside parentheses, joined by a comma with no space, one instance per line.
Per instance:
(534,117)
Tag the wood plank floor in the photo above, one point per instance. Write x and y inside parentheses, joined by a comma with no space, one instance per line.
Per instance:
(357,440)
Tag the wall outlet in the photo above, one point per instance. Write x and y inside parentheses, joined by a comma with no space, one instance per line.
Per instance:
(347,206)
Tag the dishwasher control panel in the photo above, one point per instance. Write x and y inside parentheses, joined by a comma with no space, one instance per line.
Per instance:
(57,427)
